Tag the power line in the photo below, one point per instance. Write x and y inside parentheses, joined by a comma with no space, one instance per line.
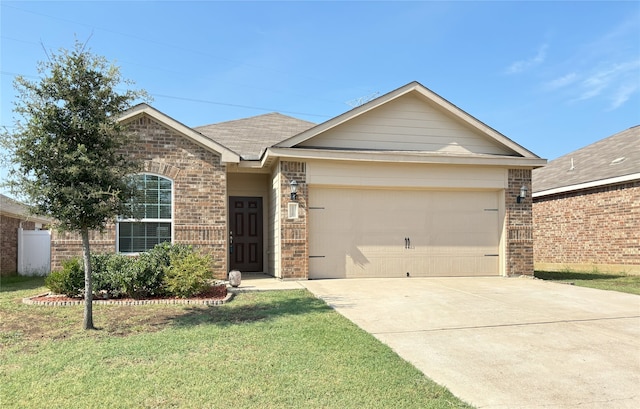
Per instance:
(204,101)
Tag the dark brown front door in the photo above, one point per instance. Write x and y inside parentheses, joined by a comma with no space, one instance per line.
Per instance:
(245,233)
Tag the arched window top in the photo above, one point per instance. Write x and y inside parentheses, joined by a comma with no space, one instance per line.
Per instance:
(155,197)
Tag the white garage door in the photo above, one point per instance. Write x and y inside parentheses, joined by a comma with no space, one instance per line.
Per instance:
(389,233)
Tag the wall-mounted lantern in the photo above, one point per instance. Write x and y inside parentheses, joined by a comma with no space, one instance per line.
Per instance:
(523,194)
(294,189)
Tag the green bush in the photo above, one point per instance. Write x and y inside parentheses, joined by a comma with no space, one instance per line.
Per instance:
(175,270)
(105,280)
(188,275)
(68,281)
(148,274)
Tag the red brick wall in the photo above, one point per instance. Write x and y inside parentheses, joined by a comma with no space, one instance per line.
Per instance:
(519,221)
(199,192)
(294,247)
(9,243)
(599,226)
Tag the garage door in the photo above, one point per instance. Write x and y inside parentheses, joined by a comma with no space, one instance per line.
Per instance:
(389,233)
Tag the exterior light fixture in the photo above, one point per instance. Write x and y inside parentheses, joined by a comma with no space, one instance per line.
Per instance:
(523,194)
(294,189)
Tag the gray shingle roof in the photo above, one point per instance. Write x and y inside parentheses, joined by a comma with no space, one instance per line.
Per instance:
(615,156)
(15,209)
(249,137)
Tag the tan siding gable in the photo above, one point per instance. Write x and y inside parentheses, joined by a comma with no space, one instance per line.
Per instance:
(408,123)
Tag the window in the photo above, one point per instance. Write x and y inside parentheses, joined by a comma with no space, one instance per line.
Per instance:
(152,220)
(293,211)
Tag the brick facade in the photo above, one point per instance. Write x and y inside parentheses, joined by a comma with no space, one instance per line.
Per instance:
(9,243)
(294,234)
(519,225)
(587,229)
(199,192)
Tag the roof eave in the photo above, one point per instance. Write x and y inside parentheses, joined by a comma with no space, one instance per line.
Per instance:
(588,185)
(401,156)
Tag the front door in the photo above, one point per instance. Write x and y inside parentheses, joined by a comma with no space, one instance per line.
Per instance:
(245,233)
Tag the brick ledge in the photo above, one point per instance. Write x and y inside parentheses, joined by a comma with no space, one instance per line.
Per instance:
(193,301)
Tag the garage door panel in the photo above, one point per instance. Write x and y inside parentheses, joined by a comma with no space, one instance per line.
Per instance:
(361,233)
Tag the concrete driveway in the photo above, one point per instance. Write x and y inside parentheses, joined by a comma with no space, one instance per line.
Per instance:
(504,342)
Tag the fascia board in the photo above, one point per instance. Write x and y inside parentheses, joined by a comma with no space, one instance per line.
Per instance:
(226,154)
(588,185)
(17,210)
(404,157)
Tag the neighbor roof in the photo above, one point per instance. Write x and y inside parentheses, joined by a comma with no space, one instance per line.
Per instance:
(249,137)
(611,160)
(17,210)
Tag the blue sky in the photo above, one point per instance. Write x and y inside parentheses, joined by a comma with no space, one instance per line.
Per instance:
(552,75)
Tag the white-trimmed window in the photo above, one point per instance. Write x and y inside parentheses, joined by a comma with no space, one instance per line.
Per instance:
(153,216)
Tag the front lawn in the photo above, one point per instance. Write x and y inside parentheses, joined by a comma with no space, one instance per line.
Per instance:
(615,282)
(283,349)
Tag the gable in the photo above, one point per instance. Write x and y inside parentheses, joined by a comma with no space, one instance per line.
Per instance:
(411,118)
(226,154)
(408,123)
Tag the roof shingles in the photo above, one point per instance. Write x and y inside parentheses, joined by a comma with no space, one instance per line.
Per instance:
(251,136)
(615,156)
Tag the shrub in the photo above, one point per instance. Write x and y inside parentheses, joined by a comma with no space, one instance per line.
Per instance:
(188,274)
(162,253)
(166,269)
(148,274)
(121,275)
(105,280)
(68,281)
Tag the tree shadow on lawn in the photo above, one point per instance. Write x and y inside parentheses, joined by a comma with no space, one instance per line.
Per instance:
(56,322)
(569,275)
(252,307)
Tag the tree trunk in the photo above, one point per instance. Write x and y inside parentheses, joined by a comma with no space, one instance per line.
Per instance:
(88,287)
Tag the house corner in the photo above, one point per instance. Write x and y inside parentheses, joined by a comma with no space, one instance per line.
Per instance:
(519,224)
(294,233)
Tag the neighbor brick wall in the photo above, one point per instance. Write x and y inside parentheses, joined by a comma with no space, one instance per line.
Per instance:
(519,224)
(599,226)
(199,193)
(294,234)
(9,243)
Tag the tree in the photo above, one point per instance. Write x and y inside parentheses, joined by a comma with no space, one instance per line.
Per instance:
(66,149)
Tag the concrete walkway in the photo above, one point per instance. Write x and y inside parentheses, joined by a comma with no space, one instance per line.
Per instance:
(500,342)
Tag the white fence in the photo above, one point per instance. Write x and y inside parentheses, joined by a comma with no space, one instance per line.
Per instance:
(34,252)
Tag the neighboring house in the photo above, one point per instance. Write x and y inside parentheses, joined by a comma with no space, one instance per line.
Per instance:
(406,184)
(586,208)
(13,216)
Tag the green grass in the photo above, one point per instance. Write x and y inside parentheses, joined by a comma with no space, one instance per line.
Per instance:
(614,282)
(282,349)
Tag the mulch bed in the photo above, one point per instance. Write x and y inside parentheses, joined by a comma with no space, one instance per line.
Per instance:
(217,295)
